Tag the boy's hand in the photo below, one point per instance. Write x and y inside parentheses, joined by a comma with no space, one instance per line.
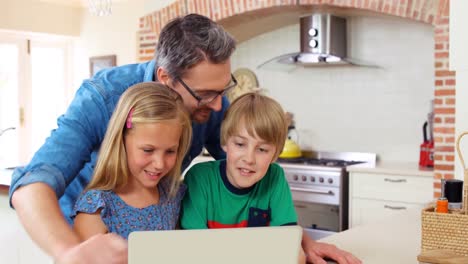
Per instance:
(317,251)
(302,257)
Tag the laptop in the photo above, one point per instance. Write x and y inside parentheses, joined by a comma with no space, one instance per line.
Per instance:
(271,245)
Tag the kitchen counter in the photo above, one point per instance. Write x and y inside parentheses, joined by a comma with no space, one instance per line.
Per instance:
(15,244)
(5,177)
(403,168)
(202,158)
(396,239)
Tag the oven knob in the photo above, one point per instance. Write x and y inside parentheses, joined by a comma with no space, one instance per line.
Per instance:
(312,179)
(321,179)
(330,180)
(295,177)
(304,178)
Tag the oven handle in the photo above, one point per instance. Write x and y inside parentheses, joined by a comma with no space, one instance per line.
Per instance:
(329,192)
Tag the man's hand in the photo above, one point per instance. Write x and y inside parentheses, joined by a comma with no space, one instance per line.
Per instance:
(102,248)
(316,251)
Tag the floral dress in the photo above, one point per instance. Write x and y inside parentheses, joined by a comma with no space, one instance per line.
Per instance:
(122,219)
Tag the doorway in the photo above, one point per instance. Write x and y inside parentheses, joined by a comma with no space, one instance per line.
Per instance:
(34,87)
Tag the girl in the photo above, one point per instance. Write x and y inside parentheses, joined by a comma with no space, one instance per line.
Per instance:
(136,181)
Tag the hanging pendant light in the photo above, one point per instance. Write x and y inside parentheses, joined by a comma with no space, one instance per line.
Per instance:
(100,7)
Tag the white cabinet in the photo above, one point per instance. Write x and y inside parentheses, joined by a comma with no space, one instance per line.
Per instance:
(374,194)
(369,210)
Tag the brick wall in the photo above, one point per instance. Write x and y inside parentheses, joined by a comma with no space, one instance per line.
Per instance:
(434,12)
(444,127)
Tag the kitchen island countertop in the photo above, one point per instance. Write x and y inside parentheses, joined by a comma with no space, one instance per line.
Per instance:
(5,177)
(394,168)
(396,239)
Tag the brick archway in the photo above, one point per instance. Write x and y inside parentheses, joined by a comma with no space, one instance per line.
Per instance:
(434,12)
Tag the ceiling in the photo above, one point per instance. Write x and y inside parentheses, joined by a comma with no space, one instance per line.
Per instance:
(75,3)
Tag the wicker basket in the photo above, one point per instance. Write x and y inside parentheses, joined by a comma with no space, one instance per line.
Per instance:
(447,231)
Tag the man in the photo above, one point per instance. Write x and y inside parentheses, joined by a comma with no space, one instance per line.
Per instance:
(193,58)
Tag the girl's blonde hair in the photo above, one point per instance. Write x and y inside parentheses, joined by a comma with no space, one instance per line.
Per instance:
(150,102)
(261,115)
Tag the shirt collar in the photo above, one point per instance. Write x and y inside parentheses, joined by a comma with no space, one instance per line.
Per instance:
(150,73)
(229,186)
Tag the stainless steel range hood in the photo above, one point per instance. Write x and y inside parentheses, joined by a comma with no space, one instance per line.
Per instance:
(323,43)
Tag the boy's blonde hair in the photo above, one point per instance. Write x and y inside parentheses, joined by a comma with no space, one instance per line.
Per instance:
(151,102)
(261,115)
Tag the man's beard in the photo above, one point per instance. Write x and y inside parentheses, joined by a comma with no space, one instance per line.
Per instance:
(201,115)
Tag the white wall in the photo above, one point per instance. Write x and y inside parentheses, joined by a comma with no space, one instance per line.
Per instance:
(154,5)
(459,63)
(114,34)
(94,36)
(106,35)
(378,110)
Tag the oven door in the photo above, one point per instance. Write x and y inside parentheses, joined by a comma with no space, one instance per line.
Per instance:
(317,209)
(315,194)
(319,220)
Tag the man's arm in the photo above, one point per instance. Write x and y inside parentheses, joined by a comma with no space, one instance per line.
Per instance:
(38,210)
(35,189)
(53,234)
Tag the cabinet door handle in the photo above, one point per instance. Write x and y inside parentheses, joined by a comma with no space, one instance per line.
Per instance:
(392,180)
(395,207)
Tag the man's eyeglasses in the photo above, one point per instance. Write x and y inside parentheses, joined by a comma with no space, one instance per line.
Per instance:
(208,96)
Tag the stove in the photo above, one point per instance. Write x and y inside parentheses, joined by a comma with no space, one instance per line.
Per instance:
(320,162)
(319,187)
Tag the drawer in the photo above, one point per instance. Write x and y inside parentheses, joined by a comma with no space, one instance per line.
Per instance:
(364,211)
(402,188)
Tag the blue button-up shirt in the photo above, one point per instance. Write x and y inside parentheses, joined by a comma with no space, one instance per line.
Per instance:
(66,160)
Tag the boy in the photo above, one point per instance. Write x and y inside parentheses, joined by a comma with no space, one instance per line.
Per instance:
(248,189)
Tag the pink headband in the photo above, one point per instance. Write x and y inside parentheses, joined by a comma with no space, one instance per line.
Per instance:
(129,118)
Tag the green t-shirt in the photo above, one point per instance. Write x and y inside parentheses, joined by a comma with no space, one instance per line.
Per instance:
(212,202)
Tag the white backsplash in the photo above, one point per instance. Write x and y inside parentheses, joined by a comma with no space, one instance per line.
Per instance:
(379,110)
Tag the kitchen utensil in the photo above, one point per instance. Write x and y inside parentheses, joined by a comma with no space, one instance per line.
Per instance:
(447,231)
(426,153)
(291,149)
(454,193)
(430,122)
(442,202)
